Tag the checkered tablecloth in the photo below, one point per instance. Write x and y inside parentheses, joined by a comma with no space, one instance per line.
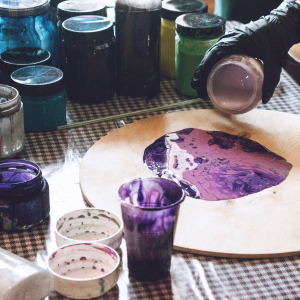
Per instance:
(59,154)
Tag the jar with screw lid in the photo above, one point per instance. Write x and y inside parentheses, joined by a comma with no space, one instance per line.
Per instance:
(195,34)
(89,66)
(171,9)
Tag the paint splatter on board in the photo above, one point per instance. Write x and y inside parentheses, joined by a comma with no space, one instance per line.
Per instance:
(214,165)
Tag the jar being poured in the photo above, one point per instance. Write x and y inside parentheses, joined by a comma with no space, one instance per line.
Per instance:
(234,84)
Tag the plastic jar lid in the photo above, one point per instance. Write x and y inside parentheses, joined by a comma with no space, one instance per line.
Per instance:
(14,59)
(171,9)
(234,84)
(38,80)
(21,8)
(200,26)
(69,9)
(87,30)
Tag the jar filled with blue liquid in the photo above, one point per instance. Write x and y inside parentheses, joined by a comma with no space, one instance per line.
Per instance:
(26,24)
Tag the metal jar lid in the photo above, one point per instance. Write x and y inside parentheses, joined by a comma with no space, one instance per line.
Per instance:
(14,59)
(87,29)
(73,8)
(21,9)
(171,9)
(38,80)
(10,100)
(200,26)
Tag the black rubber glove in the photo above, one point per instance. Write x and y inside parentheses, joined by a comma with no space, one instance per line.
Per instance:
(268,39)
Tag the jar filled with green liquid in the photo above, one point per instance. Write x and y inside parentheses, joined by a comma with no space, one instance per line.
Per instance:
(171,9)
(195,34)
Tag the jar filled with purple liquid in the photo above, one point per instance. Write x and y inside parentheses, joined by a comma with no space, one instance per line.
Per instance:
(24,195)
(234,84)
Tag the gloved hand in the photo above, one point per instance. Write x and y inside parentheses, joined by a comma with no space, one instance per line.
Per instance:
(268,39)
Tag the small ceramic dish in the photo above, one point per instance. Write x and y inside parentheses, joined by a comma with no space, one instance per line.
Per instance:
(89,225)
(84,270)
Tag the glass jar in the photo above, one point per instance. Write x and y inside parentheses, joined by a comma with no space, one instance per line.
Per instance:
(234,84)
(14,59)
(138,25)
(88,44)
(24,195)
(73,8)
(171,9)
(43,94)
(26,24)
(11,122)
(195,34)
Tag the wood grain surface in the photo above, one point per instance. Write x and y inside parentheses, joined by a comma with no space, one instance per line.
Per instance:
(265,224)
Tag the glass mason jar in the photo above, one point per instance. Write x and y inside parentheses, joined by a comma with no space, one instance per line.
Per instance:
(195,34)
(24,195)
(89,48)
(171,9)
(26,24)
(11,122)
(138,25)
(73,8)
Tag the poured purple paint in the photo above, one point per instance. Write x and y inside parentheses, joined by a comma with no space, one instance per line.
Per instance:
(149,209)
(214,165)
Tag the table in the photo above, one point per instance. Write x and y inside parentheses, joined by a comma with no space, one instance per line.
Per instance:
(193,277)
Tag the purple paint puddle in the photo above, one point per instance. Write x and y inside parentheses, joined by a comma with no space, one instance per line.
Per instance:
(214,165)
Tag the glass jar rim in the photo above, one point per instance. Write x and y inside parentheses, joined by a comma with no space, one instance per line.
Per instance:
(14,189)
(12,105)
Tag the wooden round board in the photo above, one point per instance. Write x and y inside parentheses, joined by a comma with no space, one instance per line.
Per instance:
(265,224)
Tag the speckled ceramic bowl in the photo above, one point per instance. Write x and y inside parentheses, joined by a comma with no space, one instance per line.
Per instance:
(84,270)
(89,225)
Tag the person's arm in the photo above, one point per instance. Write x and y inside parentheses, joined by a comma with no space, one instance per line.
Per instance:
(268,39)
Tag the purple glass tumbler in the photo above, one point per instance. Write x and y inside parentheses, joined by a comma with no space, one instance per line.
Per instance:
(149,210)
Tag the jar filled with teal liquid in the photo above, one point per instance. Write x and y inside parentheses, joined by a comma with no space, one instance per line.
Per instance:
(195,34)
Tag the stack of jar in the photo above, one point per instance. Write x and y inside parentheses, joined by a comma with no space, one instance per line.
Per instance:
(95,62)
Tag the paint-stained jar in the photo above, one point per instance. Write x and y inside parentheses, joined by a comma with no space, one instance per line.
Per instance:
(89,51)
(138,26)
(195,34)
(26,24)
(11,122)
(171,9)
(24,195)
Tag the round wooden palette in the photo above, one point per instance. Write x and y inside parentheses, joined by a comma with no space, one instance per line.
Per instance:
(265,224)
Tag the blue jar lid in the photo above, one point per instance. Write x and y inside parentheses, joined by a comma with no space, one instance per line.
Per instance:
(87,30)
(171,9)
(73,8)
(200,26)
(21,9)
(19,177)
(16,58)
(38,80)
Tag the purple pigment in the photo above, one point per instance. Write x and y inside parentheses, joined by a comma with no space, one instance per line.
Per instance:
(16,176)
(149,209)
(214,165)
